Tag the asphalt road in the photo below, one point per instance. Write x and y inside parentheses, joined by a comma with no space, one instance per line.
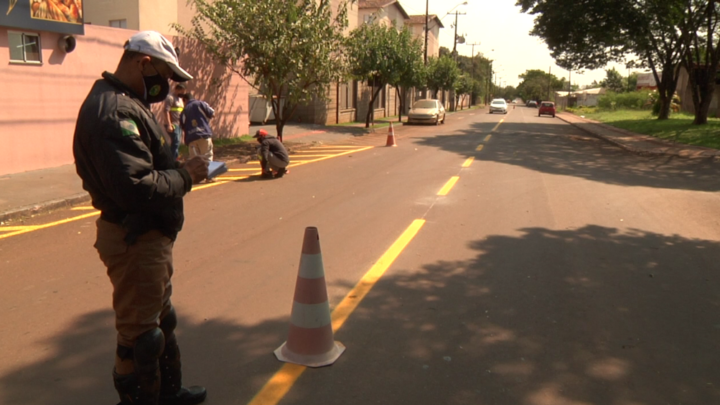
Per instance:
(558,270)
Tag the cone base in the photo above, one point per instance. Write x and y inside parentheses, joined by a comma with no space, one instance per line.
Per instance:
(318,360)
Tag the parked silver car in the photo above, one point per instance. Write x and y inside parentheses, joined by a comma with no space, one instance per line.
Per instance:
(427,111)
(498,105)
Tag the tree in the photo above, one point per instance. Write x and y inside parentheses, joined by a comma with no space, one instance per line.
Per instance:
(538,85)
(703,55)
(464,88)
(442,74)
(383,55)
(288,48)
(589,34)
(614,81)
(413,72)
(632,81)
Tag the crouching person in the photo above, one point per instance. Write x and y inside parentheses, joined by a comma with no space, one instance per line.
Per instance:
(273,156)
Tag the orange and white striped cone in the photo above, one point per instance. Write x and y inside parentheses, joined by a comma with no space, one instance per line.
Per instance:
(391,136)
(310,338)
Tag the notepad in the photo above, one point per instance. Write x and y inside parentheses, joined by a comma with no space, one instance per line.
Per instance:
(216,169)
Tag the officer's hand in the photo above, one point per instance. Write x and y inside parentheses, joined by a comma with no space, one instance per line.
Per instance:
(198,169)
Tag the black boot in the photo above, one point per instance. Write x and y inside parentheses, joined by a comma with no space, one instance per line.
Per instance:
(171,390)
(137,389)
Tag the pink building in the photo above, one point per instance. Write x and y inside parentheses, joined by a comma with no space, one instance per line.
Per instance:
(44,82)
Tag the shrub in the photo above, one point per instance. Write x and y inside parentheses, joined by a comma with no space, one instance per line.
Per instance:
(635,100)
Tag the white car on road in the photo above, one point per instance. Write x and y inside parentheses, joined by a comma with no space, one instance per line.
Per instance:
(498,105)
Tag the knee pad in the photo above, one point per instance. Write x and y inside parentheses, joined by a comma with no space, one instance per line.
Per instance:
(169,323)
(149,347)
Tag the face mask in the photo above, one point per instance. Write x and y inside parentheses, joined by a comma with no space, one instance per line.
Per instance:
(157,88)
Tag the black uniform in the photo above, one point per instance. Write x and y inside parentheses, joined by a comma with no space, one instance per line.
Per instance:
(125,163)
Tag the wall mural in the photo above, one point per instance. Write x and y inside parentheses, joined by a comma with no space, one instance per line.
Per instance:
(63,16)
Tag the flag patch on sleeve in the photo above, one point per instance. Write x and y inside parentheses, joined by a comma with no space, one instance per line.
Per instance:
(129,128)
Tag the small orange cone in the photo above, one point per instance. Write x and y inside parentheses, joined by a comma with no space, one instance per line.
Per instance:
(310,338)
(391,136)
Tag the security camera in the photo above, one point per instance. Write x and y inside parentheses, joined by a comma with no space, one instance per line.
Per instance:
(67,43)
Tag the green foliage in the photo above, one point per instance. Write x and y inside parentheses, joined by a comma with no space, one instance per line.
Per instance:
(538,84)
(383,55)
(678,128)
(636,100)
(288,49)
(614,81)
(442,73)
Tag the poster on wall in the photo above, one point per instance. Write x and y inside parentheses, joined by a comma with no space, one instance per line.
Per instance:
(62,16)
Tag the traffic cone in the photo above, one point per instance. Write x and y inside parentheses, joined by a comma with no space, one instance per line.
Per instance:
(391,136)
(310,338)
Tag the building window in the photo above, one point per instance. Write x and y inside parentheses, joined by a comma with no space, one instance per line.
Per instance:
(347,95)
(24,47)
(118,23)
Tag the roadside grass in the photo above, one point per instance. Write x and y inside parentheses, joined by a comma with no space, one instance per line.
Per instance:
(679,128)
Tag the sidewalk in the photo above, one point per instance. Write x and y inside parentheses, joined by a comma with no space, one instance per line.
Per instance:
(637,143)
(29,193)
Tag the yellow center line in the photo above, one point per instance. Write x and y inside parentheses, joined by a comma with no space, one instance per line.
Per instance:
(311,155)
(83,208)
(280,383)
(487,138)
(498,124)
(449,185)
(243,170)
(468,162)
(479,148)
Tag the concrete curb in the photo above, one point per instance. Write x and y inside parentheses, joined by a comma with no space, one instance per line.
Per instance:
(663,148)
(28,210)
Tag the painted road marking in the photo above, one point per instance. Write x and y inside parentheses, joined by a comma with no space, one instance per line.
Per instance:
(280,383)
(468,162)
(449,185)
(49,225)
(498,124)
(487,138)
(9,231)
(479,148)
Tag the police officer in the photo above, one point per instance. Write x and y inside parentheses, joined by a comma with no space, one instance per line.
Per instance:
(274,158)
(133,179)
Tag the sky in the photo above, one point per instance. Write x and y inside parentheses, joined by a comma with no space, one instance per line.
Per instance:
(503,33)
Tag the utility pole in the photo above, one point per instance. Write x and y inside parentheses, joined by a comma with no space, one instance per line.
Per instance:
(454,51)
(472,55)
(427,26)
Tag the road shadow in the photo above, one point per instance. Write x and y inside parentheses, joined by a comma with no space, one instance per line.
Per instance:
(585,316)
(230,359)
(561,149)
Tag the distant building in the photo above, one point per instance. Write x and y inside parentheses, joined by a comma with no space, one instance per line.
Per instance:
(417,26)
(646,81)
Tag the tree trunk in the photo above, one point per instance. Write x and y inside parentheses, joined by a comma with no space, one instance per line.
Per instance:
(277,111)
(399,95)
(371,110)
(666,90)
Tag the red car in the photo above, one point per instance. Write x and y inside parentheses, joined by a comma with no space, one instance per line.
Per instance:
(548,108)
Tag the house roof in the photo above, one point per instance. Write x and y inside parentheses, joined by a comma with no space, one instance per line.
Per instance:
(420,19)
(365,4)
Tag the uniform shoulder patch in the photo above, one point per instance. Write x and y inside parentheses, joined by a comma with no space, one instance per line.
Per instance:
(129,127)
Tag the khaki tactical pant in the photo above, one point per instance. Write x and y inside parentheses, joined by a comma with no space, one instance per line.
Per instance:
(140,275)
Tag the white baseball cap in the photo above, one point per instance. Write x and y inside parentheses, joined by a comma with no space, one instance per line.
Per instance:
(153,44)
